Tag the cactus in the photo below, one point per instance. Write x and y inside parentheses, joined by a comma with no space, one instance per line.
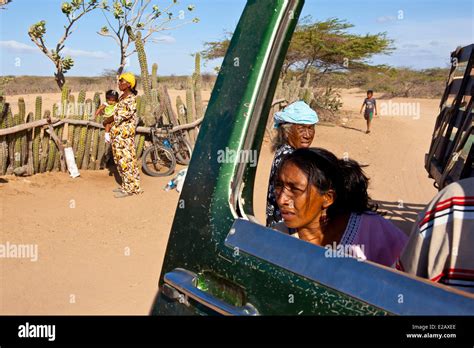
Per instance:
(44,147)
(143,65)
(141,106)
(36,136)
(3,140)
(22,136)
(168,108)
(307,96)
(101,149)
(88,143)
(279,89)
(53,154)
(82,145)
(307,81)
(151,104)
(197,87)
(10,140)
(154,76)
(181,108)
(197,64)
(96,100)
(93,164)
(21,109)
(29,146)
(148,108)
(78,134)
(286,92)
(295,89)
(140,48)
(65,93)
(17,144)
(139,144)
(156,107)
(140,139)
(70,127)
(59,132)
(190,115)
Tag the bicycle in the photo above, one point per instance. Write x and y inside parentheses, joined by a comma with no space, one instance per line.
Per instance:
(177,142)
(168,149)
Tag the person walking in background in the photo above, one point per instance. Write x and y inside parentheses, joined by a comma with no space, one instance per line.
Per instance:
(370,108)
(122,134)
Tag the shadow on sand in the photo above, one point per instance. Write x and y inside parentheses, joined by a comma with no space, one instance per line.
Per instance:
(111,166)
(352,128)
(402,214)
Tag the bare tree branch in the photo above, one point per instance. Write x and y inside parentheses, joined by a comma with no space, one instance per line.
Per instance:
(139,18)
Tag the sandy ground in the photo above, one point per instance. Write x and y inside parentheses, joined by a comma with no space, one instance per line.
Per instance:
(100,255)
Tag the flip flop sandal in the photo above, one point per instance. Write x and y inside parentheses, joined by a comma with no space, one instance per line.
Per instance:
(122,194)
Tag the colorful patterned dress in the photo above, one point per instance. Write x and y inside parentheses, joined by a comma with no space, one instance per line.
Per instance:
(122,135)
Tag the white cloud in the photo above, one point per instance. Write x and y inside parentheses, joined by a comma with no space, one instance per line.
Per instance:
(17,47)
(87,54)
(410,45)
(12,46)
(384,19)
(165,39)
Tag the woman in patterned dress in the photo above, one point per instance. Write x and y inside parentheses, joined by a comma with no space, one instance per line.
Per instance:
(122,135)
(295,125)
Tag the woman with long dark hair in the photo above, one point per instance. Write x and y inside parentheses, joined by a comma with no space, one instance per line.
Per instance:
(323,200)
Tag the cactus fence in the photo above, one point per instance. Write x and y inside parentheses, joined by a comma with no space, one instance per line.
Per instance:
(33,142)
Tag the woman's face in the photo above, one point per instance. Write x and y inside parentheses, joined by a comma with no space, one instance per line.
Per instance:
(123,85)
(301,135)
(300,206)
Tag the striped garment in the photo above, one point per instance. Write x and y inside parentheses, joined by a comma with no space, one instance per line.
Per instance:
(441,244)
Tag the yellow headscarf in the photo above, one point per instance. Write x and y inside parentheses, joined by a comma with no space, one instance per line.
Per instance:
(129,77)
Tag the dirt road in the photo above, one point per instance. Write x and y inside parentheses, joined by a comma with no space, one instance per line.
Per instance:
(100,255)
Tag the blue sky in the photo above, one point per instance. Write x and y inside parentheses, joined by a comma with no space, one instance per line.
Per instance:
(425,32)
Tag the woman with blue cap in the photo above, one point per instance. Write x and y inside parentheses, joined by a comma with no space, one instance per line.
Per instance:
(295,126)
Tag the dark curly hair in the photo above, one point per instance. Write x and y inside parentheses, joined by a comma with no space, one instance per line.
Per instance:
(326,172)
(111,94)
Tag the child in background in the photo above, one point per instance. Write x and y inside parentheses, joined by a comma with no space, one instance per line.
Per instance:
(112,98)
(107,111)
(370,108)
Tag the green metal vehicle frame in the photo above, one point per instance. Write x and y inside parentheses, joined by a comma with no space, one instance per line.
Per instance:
(218,259)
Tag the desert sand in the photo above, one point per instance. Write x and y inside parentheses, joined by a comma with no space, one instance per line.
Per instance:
(100,255)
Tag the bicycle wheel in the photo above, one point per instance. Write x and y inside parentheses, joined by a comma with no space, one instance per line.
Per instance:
(183,152)
(158,161)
